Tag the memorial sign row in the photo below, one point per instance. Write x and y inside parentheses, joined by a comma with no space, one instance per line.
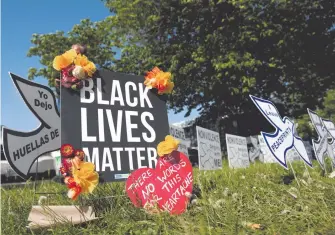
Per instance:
(118,122)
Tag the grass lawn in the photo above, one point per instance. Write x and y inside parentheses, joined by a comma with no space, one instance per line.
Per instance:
(229,199)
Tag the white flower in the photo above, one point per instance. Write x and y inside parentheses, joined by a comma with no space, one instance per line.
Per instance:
(71,193)
(79,72)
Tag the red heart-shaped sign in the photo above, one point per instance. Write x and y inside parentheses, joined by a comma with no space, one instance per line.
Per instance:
(167,185)
(140,186)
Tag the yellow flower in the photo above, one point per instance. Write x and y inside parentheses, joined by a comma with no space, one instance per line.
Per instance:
(87,65)
(167,146)
(163,76)
(81,60)
(90,69)
(167,89)
(150,83)
(59,63)
(62,61)
(70,55)
(86,176)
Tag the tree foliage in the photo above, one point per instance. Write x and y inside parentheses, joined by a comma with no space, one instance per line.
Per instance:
(97,36)
(219,51)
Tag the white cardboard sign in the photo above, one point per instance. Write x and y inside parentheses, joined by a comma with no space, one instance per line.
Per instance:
(293,155)
(330,127)
(179,134)
(209,149)
(237,151)
(255,151)
(284,138)
(267,155)
(22,148)
(323,145)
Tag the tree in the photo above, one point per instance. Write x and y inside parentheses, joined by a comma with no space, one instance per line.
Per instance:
(220,51)
(97,36)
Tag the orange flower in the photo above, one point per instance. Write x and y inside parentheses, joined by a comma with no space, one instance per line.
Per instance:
(167,146)
(152,73)
(159,80)
(169,87)
(164,85)
(150,78)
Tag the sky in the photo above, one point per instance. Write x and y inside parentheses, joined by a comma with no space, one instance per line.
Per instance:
(17,26)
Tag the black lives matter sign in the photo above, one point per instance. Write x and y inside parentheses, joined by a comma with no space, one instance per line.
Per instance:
(117,121)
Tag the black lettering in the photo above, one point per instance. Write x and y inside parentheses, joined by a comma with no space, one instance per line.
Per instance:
(42,141)
(37,102)
(46,139)
(32,147)
(28,148)
(52,135)
(281,139)
(209,136)
(41,93)
(36,143)
(16,155)
(23,152)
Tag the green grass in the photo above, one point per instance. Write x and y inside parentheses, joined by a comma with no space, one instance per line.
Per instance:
(230,198)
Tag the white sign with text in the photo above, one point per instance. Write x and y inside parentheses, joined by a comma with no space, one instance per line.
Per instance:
(267,155)
(237,151)
(209,149)
(179,134)
(23,148)
(254,150)
(284,138)
(323,145)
